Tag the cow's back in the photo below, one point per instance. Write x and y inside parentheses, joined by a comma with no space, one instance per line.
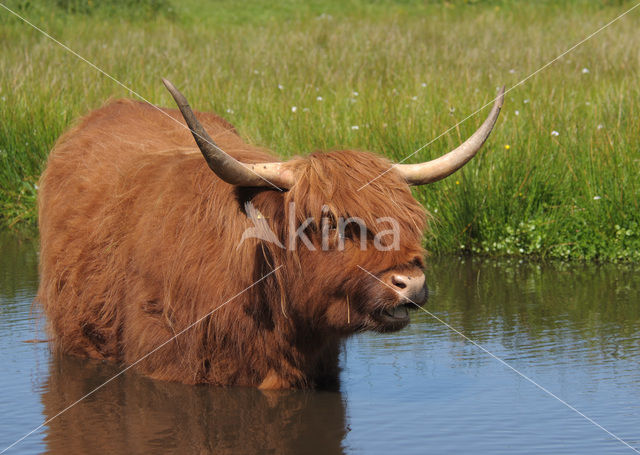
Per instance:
(119,201)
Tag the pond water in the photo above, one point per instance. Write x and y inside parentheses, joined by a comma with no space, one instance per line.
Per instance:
(572,329)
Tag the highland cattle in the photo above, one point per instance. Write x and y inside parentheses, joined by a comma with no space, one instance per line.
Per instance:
(140,239)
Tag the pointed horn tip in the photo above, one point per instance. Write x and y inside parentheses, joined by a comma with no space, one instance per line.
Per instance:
(177,95)
(172,88)
(167,83)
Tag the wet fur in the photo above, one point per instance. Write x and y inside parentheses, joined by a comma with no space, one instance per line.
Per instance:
(139,239)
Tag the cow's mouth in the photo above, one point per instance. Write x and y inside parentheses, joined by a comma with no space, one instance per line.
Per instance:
(399,312)
(393,318)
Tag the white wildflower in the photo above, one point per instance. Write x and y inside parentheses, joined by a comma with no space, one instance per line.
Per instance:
(281,87)
(319,98)
(512,71)
(229,111)
(293,108)
(355,127)
(414,98)
(424,84)
(526,101)
(585,70)
(355,93)
(517,112)
(555,133)
(596,198)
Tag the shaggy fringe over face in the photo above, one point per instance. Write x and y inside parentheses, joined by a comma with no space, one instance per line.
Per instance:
(139,239)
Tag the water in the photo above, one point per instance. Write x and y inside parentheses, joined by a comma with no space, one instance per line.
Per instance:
(573,329)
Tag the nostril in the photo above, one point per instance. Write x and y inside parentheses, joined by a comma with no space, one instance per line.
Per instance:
(399,281)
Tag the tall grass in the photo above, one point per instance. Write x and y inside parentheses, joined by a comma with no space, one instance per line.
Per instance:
(401,72)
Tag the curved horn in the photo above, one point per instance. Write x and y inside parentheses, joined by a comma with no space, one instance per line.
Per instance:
(434,170)
(225,166)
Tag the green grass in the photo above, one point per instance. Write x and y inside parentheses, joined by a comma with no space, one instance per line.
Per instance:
(418,69)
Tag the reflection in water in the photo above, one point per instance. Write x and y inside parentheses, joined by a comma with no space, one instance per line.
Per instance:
(558,303)
(538,296)
(573,328)
(134,414)
(18,274)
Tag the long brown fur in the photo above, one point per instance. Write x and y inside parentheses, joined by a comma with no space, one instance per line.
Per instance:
(139,239)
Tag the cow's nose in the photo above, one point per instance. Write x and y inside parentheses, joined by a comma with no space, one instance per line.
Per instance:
(412,287)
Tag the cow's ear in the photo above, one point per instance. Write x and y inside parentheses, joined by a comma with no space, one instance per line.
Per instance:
(244,195)
(268,202)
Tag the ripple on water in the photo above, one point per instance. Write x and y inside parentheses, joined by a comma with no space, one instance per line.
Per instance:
(573,329)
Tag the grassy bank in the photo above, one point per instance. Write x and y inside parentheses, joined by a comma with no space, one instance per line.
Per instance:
(558,177)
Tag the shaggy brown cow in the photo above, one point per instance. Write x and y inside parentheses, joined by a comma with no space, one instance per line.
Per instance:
(139,239)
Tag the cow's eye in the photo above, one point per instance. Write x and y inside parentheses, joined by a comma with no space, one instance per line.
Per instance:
(329,223)
(350,231)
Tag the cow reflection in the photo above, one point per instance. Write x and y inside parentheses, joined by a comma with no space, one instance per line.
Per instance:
(133,414)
